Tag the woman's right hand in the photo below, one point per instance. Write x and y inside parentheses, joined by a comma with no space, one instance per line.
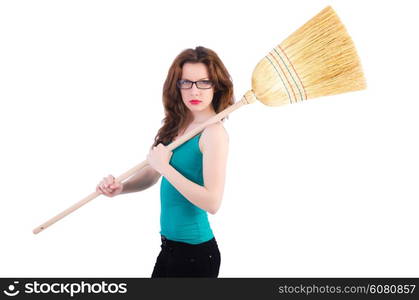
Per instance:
(109,186)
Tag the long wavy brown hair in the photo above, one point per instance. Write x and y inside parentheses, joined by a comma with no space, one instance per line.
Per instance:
(176,113)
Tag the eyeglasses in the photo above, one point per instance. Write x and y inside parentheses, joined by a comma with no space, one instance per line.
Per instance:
(200,84)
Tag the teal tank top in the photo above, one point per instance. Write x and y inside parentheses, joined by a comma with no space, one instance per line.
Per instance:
(180,219)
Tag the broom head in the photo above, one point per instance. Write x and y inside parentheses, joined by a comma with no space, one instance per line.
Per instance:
(318,59)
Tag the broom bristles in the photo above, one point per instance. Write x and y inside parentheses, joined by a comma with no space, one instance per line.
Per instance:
(318,59)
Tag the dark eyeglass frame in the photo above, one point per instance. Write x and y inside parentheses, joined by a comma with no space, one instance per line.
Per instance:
(179,84)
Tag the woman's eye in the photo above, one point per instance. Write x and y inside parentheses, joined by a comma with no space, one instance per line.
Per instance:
(205,83)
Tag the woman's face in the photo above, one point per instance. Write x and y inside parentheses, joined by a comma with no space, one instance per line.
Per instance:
(202,97)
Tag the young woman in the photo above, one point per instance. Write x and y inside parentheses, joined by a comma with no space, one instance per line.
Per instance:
(197,87)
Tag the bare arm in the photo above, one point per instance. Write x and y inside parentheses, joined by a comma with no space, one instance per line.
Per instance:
(142,180)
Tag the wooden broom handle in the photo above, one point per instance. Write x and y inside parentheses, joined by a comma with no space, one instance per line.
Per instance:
(248,98)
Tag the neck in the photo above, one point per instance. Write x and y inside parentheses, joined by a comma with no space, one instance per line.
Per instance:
(201,116)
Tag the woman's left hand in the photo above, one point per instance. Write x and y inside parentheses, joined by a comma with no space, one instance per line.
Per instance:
(158,157)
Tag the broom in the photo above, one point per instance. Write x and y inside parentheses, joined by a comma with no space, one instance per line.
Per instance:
(318,59)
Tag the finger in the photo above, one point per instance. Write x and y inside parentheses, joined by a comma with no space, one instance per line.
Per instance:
(115,185)
(111,184)
(104,186)
(101,190)
(108,187)
(105,191)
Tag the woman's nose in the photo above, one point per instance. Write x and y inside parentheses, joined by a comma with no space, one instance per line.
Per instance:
(194,89)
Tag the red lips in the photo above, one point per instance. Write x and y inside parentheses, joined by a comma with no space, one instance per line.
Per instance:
(195,101)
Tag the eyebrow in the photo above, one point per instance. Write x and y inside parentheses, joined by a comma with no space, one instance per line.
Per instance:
(205,78)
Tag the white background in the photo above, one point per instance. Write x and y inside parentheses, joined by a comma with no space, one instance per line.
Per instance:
(328,187)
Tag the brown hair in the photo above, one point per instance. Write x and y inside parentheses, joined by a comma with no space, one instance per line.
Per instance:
(176,113)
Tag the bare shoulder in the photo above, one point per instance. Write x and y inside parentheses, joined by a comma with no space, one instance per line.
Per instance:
(214,135)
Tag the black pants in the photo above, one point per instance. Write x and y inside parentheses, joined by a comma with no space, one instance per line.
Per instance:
(178,259)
